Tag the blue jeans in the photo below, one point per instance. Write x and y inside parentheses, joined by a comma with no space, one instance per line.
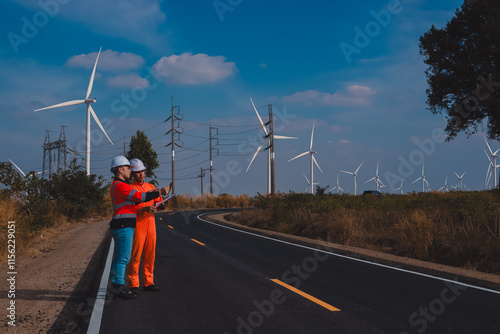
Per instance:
(123,247)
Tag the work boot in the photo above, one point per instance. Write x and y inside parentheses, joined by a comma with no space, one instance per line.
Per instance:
(120,292)
(151,288)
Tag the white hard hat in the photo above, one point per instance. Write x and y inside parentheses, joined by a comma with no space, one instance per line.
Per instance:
(137,165)
(119,161)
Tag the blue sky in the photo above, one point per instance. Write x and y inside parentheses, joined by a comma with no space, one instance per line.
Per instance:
(353,68)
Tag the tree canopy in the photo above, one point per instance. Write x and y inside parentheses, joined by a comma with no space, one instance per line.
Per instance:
(140,147)
(463,75)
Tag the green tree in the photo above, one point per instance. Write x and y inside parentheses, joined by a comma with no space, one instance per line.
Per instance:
(78,192)
(463,75)
(140,147)
(321,190)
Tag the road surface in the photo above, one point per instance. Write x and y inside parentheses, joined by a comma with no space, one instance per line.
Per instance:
(215,279)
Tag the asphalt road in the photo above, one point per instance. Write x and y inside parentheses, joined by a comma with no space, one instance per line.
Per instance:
(217,280)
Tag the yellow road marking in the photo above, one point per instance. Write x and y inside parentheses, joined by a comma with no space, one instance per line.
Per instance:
(305,295)
(200,243)
(170,227)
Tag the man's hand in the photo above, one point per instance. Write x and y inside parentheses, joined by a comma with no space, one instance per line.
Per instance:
(164,190)
(161,207)
(149,209)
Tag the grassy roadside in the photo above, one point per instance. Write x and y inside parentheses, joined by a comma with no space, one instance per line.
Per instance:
(460,229)
(31,223)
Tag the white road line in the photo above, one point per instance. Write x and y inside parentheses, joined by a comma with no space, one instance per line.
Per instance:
(347,257)
(96,317)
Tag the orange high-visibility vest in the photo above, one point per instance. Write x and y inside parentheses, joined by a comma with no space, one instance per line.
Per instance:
(124,199)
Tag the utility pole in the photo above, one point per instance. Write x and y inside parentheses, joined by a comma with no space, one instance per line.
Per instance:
(211,165)
(173,131)
(271,147)
(201,176)
(173,147)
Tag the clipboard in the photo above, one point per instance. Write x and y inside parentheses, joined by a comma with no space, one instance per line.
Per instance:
(164,201)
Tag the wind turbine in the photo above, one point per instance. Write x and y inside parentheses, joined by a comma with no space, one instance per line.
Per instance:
(424,181)
(311,153)
(309,183)
(400,187)
(269,136)
(21,171)
(354,174)
(339,189)
(445,187)
(488,172)
(494,156)
(377,180)
(90,111)
(461,179)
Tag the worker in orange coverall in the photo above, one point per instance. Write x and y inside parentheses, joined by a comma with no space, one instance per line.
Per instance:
(144,242)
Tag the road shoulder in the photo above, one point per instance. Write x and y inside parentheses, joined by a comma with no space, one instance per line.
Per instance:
(467,276)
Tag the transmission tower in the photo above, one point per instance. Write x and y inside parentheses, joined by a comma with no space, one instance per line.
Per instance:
(174,130)
(62,150)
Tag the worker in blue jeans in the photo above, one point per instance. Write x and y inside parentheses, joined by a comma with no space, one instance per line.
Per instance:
(122,224)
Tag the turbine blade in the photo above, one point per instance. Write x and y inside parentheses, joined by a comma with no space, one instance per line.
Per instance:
(255,154)
(99,123)
(298,156)
(91,83)
(487,156)
(359,167)
(284,137)
(343,171)
(370,180)
(64,104)
(416,180)
(19,169)
(489,148)
(260,119)
(456,174)
(314,159)
(306,178)
(312,135)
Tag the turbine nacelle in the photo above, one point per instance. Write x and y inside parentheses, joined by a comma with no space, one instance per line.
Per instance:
(88,101)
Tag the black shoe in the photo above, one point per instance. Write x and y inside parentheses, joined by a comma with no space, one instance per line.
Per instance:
(119,291)
(134,290)
(125,294)
(151,288)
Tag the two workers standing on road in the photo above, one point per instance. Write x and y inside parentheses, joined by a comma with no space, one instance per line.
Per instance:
(123,223)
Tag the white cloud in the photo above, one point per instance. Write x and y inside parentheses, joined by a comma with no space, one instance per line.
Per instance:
(128,81)
(354,95)
(198,69)
(109,60)
(345,141)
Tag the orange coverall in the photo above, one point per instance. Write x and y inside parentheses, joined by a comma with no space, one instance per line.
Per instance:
(144,241)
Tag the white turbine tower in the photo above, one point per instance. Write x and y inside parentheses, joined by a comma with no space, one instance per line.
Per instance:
(494,156)
(311,153)
(270,140)
(21,171)
(461,179)
(309,183)
(400,187)
(424,181)
(376,178)
(339,189)
(90,111)
(489,172)
(354,174)
(445,187)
